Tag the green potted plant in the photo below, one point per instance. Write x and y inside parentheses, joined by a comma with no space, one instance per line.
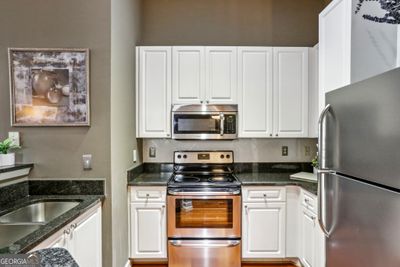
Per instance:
(7,158)
(315,164)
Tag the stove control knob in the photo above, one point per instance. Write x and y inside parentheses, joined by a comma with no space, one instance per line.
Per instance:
(222,156)
(228,156)
(179,156)
(184,156)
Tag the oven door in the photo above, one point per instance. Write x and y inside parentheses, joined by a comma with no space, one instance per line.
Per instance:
(197,216)
(200,253)
(204,125)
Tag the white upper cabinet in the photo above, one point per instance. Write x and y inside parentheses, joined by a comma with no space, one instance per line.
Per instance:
(154,92)
(255,91)
(290,91)
(221,74)
(188,71)
(334,47)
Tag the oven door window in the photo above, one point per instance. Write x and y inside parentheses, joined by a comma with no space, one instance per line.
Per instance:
(196,124)
(204,213)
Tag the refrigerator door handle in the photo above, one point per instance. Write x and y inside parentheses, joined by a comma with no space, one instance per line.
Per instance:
(321,138)
(321,173)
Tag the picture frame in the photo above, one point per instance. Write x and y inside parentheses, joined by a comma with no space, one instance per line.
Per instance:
(49,86)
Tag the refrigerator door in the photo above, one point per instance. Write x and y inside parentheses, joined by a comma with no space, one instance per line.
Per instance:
(362,221)
(362,130)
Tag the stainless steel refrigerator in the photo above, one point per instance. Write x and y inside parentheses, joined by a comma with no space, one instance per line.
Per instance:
(359,180)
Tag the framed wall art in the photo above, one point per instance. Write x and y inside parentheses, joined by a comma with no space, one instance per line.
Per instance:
(49,87)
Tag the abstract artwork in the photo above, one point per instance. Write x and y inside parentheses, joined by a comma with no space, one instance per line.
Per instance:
(49,87)
(391,10)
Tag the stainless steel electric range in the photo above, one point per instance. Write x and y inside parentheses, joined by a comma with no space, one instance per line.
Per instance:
(204,200)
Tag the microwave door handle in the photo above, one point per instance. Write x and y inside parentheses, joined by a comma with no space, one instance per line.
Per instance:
(222,125)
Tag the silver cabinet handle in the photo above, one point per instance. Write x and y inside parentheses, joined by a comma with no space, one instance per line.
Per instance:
(203,244)
(73,226)
(222,120)
(67,231)
(246,208)
(321,139)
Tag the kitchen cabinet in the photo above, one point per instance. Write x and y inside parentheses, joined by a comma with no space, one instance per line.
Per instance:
(148,237)
(188,75)
(221,74)
(204,74)
(313,92)
(82,238)
(290,92)
(255,91)
(312,241)
(153,101)
(263,228)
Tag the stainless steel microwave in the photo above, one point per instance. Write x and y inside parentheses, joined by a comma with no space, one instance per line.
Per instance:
(205,122)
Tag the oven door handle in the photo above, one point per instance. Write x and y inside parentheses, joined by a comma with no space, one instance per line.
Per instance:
(204,243)
(204,193)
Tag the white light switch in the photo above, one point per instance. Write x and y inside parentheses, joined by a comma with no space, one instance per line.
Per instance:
(14,136)
(87,162)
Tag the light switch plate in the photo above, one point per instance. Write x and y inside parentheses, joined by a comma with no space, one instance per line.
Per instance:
(285,151)
(152,152)
(14,136)
(87,162)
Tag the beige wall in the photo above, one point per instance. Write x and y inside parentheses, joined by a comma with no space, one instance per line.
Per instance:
(57,152)
(125,23)
(246,150)
(231,22)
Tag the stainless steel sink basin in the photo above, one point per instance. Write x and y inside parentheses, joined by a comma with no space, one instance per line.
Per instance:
(37,213)
(11,233)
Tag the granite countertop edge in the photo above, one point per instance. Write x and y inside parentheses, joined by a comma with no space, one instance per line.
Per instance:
(33,239)
(17,166)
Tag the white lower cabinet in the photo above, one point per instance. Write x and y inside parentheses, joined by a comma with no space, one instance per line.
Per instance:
(148,223)
(82,238)
(312,241)
(263,228)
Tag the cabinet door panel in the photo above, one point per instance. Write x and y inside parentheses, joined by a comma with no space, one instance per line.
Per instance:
(148,230)
(86,241)
(308,238)
(255,91)
(264,230)
(291,92)
(221,75)
(188,68)
(154,92)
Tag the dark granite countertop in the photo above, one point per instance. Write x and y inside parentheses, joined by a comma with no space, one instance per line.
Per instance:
(55,257)
(150,179)
(15,167)
(88,192)
(277,179)
(44,231)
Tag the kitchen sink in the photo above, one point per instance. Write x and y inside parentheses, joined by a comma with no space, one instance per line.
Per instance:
(11,233)
(37,213)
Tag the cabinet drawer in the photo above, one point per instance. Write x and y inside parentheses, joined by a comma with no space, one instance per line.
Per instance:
(148,194)
(262,193)
(309,201)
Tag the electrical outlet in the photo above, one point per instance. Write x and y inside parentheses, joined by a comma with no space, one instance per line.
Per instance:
(285,151)
(152,152)
(14,136)
(307,151)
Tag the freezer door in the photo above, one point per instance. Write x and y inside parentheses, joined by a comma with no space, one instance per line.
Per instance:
(363,223)
(362,130)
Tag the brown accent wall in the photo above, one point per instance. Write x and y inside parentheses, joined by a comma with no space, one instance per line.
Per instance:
(231,22)
(57,151)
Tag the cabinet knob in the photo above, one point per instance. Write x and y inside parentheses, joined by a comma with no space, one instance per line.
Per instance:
(265,195)
(201,101)
(246,209)
(147,195)
(276,134)
(67,231)
(270,134)
(208,101)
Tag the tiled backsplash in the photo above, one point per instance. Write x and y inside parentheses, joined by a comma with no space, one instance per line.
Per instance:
(246,150)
